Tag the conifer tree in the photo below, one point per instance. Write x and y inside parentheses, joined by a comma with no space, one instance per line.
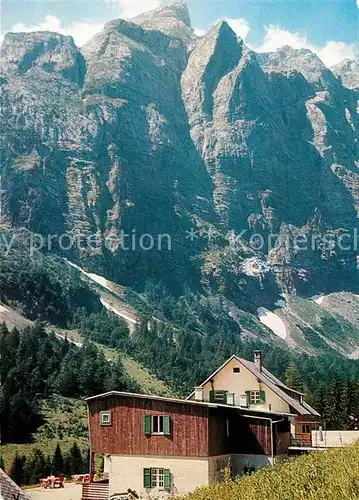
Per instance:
(76,464)
(58,462)
(34,467)
(16,471)
(293,378)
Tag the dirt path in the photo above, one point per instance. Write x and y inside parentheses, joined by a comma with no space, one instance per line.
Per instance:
(69,492)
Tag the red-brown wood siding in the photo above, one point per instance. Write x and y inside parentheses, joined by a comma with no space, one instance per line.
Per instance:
(255,436)
(246,435)
(281,437)
(189,427)
(302,424)
(219,442)
(196,431)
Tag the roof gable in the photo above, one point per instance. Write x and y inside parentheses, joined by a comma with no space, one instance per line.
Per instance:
(267,378)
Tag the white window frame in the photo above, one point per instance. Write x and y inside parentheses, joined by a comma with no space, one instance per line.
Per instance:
(159,419)
(254,397)
(158,478)
(105,418)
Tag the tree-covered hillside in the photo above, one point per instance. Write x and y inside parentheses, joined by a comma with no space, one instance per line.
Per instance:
(35,364)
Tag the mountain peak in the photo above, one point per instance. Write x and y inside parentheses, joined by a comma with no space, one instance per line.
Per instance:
(348,71)
(221,27)
(176,10)
(172,19)
(288,59)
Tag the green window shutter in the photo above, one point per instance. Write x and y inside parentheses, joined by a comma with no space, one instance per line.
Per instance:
(166,425)
(147,478)
(167,479)
(248,393)
(147,424)
(262,396)
(225,397)
(211,397)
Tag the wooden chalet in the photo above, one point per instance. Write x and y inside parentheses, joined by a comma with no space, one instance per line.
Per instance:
(238,420)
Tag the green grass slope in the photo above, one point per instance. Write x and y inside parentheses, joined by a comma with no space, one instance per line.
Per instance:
(65,421)
(326,327)
(323,475)
(146,381)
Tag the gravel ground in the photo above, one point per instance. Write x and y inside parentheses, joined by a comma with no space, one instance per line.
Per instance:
(69,492)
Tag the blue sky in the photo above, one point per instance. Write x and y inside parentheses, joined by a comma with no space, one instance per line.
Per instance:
(328,27)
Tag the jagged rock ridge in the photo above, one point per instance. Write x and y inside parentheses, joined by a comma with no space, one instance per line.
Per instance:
(136,132)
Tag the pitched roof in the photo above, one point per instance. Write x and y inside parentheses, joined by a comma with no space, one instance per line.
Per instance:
(183,401)
(10,490)
(272,382)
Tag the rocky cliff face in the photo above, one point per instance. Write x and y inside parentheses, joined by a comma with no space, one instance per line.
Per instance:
(148,129)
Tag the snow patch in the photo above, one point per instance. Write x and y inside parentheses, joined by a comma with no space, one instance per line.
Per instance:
(100,280)
(354,354)
(318,299)
(254,267)
(273,322)
(280,303)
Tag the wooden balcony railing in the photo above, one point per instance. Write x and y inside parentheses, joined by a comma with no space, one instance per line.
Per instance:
(95,491)
(301,441)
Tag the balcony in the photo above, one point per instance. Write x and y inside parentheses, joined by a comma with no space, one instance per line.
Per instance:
(301,440)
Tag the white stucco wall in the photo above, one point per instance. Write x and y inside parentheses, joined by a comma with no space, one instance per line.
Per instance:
(126,471)
(334,439)
(239,383)
(187,474)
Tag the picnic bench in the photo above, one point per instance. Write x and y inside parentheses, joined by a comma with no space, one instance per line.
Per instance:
(52,482)
(81,478)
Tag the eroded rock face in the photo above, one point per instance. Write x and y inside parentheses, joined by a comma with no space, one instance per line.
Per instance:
(134,132)
(348,71)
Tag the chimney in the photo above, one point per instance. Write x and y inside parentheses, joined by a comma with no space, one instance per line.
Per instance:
(258,360)
(198,394)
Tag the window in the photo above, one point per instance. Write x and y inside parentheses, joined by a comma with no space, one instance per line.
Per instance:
(157,478)
(218,397)
(305,429)
(236,369)
(105,418)
(249,470)
(157,425)
(256,397)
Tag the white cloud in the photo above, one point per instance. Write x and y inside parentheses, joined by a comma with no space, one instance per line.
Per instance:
(81,31)
(358,4)
(132,8)
(200,32)
(240,26)
(332,53)
(335,52)
(276,37)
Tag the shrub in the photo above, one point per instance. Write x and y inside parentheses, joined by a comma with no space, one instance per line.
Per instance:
(319,475)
